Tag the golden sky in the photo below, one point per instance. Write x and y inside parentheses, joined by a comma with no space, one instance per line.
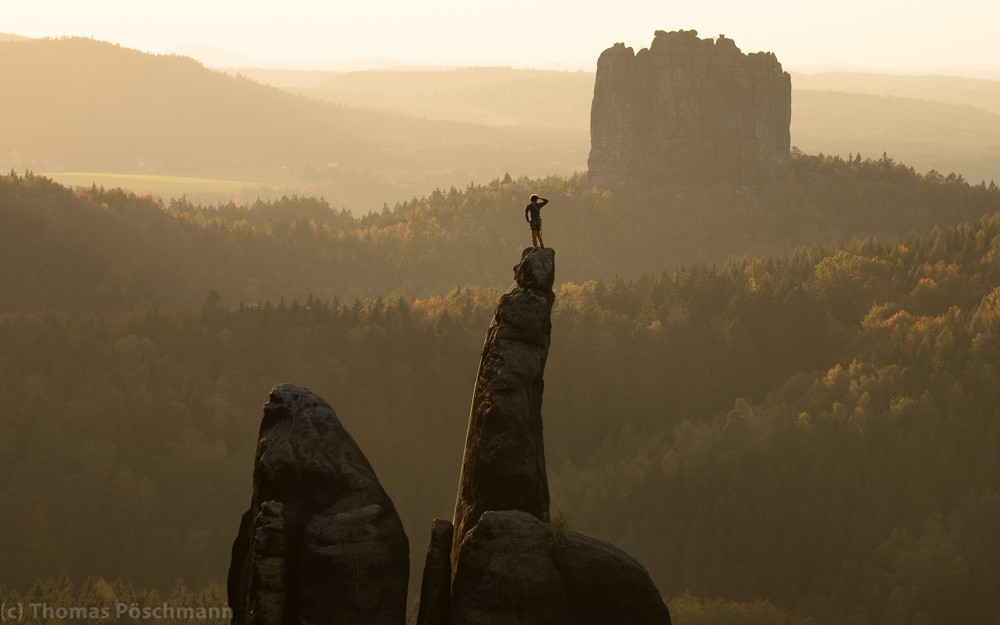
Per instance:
(863,34)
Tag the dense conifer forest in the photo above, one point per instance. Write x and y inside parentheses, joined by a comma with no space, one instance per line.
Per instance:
(100,250)
(800,429)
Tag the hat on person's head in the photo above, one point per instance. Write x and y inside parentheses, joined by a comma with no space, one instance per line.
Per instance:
(534,196)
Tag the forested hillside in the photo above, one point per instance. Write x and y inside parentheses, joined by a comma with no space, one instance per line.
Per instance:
(923,133)
(82,105)
(817,428)
(822,432)
(102,250)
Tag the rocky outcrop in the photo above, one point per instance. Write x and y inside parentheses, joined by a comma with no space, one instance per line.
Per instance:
(515,569)
(509,563)
(504,463)
(605,584)
(322,544)
(506,574)
(688,112)
(321,541)
(435,588)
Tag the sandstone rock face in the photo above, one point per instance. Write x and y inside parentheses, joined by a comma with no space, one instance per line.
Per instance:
(435,588)
(607,585)
(321,542)
(506,574)
(513,570)
(509,564)
(504,463)
(688,112)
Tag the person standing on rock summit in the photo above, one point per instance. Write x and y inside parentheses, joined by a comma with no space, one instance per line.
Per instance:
(533,215)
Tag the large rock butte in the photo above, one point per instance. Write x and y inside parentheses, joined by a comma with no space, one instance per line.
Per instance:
(688,112)
(321,542)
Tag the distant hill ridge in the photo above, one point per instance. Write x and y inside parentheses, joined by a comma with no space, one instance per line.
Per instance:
(929,117)
(79,103)
(84,105)
(977,92)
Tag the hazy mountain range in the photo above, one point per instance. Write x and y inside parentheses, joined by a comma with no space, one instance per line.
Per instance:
(945,123)
(217,57)
(361,138)
(85,105)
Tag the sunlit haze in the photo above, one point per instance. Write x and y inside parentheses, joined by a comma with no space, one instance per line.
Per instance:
(901,35)
(283,339)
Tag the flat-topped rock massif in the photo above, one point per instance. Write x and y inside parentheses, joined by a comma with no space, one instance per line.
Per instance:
(688,112)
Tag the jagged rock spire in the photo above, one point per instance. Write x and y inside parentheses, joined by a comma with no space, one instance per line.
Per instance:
(509,563)
(504,463)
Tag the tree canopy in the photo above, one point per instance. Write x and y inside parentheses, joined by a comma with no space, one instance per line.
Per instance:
(815,428)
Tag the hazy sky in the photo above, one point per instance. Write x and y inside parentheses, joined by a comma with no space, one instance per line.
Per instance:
(872,34)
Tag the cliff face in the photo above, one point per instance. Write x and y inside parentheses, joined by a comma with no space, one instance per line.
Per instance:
(688,112)
(321,541)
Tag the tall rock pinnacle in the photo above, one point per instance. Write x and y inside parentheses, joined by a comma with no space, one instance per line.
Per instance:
(510,563)
(504,463)
(322,542)
(688,112)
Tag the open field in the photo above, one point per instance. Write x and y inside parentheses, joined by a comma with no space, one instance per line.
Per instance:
(167,187)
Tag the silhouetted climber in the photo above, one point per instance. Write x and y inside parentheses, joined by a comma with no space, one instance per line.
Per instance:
(533,215)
